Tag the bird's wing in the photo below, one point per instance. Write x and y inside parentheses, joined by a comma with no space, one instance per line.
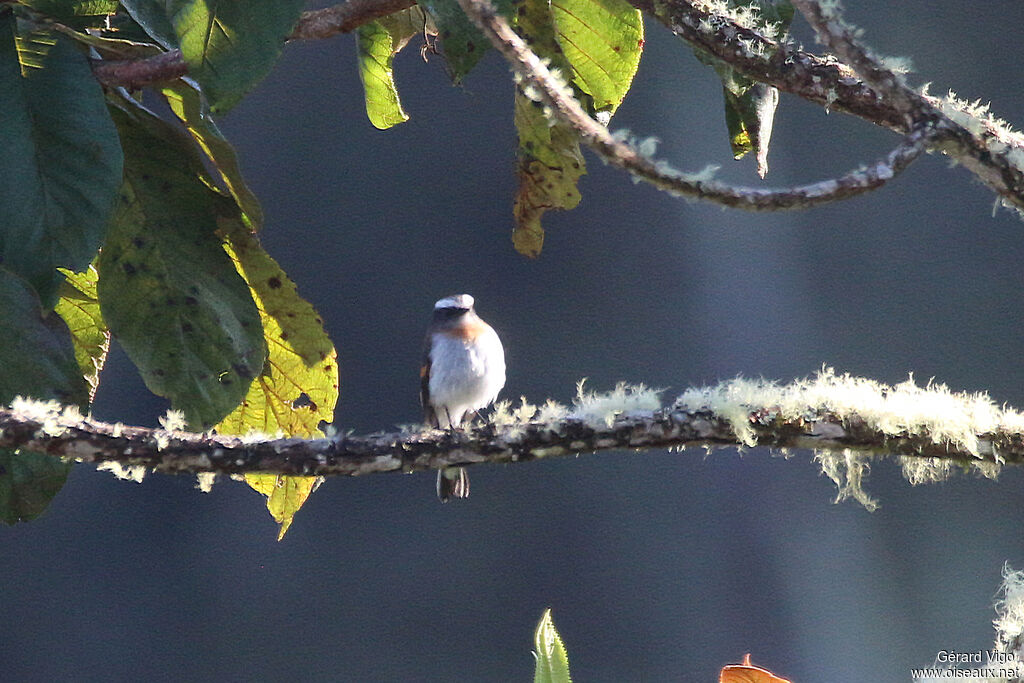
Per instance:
(428,410)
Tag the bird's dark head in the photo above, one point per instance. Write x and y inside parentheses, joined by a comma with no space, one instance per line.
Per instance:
(452,308)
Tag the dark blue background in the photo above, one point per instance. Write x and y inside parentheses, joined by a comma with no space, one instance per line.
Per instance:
(658,566)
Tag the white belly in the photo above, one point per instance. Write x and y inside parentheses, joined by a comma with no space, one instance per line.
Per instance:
(465,376)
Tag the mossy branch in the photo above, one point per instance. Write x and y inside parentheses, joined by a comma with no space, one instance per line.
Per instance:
(856,83)
(828,413)
(547,86)
(966,133)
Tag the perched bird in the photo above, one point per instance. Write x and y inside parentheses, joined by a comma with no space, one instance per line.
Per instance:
(463,370)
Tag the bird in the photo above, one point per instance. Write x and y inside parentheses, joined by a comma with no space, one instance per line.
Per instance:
(463,371)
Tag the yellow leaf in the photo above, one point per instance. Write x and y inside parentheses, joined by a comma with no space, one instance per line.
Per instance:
(550,164)
(550,161)
(298,387)
(285,495)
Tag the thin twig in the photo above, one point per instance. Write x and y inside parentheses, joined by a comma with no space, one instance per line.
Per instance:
(556,95)
(834,34)
(139,73)
(345,17)
(312,25)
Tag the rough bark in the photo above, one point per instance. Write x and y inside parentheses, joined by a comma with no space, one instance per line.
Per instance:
(70,436)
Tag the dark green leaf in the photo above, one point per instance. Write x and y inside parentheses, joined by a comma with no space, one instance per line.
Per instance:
(187,104)
(230,45)
(603,41)
(65,9)
(33,45)
(28,482)
(36,356)
(37,361)
(151,15)
(60,161)
(461,42)
(167,289)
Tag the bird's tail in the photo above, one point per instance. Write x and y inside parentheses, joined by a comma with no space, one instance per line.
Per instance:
(452,482)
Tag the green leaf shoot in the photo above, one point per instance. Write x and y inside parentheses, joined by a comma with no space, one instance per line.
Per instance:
(167,289)
(749,116)
(552,658)
(230,45)
(61,157)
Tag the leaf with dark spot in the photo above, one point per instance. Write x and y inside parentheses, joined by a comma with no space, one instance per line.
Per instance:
(183,259)
(302,362)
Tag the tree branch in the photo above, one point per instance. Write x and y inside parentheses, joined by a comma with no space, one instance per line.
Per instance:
(312,25)
(345,17)
(836,36)
(553,92)
(825,413)
(982,144)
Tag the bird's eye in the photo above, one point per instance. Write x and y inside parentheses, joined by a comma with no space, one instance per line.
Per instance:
(452,313)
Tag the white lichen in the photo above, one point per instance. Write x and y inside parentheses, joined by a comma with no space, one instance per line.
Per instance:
(958,419)
(600,409)
(977,118)
(134,473)
(173,421)
(847,470)
(897,65)
(49,414)
(1009,621)
(205,480)
(254,436)
(552,411)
